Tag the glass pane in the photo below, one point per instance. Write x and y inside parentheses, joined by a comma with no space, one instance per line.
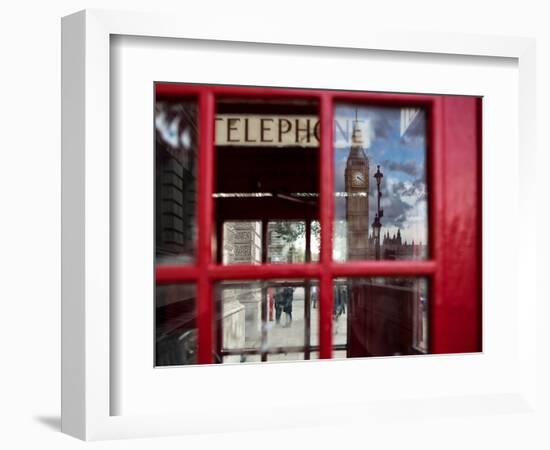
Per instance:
(175,181)
(175,325)
(380,183)
(339,316)
(385,316)
(242,242)
(267,160)
(286,242)
(315,240)
(266,321)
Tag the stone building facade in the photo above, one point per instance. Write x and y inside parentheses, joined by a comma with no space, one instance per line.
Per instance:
(241,306)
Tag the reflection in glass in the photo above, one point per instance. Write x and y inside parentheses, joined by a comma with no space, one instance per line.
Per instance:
(175,181)
(242,242)
(387,316)
(380,183)
(315,241)
(286,242)
(271,320)
(175,326)
(278,320)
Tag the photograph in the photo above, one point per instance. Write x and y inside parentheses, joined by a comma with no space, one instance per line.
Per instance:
(266,204)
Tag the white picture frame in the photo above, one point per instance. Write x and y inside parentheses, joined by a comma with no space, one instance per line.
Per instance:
(87,353)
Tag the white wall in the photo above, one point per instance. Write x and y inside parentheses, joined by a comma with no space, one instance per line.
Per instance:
(30,194)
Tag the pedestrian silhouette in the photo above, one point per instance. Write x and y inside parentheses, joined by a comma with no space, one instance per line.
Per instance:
(287,308)
(279,304)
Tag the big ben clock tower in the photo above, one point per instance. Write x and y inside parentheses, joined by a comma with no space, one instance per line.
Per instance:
(357,200)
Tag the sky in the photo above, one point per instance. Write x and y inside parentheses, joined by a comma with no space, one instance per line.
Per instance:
(402,160)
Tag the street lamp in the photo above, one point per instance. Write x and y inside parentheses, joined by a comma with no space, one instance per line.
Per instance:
(376,225)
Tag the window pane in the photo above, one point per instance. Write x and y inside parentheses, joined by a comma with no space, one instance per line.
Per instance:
(267,164)
(340,324)
(175,180)
(266,321)
(384,316)
(242,242)
(286,242)
(380,183)
(175,325)
(315,240)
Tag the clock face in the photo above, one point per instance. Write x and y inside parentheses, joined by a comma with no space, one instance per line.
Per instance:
(358,178)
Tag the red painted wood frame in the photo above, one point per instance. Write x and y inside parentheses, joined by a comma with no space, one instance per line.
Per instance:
(454,208)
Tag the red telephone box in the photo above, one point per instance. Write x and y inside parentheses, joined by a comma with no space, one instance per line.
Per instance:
(303,162)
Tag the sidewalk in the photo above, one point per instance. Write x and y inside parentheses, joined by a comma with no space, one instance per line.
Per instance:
(278,335)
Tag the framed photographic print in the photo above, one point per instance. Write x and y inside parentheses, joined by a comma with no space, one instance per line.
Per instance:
(246,215)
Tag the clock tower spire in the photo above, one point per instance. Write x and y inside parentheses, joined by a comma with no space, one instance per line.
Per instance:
(357,196)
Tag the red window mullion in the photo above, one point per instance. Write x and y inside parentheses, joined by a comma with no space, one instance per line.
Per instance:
(383,268)
(264,272)
(326,200)
(205,213)
(171,90)
(170,274)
